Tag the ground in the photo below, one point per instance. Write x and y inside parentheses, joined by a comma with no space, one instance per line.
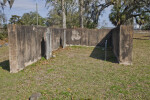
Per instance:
(2,42)
(81,73)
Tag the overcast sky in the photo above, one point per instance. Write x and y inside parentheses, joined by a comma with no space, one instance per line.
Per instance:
(24,6)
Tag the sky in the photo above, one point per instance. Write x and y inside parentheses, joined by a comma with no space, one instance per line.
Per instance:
(24,6)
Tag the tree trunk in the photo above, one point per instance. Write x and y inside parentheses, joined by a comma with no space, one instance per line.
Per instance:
(81,13)
(63,13)
(64,21)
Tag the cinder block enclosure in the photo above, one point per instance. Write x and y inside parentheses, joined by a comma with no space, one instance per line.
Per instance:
(27,44)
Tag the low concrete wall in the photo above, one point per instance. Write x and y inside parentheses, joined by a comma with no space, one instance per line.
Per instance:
(122,42)
(115,41)
(27,44)
(87,37)
(57,38)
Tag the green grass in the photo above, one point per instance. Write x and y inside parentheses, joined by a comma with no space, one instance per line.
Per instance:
(81,73)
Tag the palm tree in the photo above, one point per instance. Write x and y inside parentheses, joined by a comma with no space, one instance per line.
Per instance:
(2,5)
(10,2)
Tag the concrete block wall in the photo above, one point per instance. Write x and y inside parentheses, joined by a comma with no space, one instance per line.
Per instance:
(122,42)
(87,37)
(27,44)
(57,38)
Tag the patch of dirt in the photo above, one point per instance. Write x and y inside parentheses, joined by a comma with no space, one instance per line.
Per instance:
(61,49)
(2,42)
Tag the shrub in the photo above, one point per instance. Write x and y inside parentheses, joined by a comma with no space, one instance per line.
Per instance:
(3,35)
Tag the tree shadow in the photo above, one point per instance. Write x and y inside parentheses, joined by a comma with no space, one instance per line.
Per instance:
(139,39)
(99,51)
(146,36)
(5,65)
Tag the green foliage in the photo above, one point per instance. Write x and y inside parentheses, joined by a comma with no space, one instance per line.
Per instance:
(146,27)
(15,20)
(27,19)
(31,19)
(124,11)
(2,17)
(3,35)
(72,15)
(117,18)
(143,19)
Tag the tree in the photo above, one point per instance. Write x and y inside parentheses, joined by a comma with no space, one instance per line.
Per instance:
(10,2)
(125,10)
(15,19)
(55,2)
(30,19)
(2,5)
(93,9)
(27,19)
(146,26)
(71,11)
(63,13)
(2,18)
(142,19)
(74,16)
(81,13)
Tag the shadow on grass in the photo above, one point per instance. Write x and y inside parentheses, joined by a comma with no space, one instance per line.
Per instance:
(140,39)
(146,36)
(99,53)
(5,65)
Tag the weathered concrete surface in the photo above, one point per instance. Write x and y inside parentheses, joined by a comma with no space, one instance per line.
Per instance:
(122,42)
(57,38)
(87,37)
(27,44)
(126,45)
(12,34)
(48,44)
(115,41)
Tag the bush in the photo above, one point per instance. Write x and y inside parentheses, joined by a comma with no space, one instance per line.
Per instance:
(3,35)
(146,27)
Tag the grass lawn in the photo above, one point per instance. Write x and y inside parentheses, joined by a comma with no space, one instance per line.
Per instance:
(81,73)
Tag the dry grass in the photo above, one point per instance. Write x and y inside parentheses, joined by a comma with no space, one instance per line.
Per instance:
(81,73)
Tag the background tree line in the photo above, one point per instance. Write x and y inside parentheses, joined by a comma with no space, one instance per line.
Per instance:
(27,19)
(86,13)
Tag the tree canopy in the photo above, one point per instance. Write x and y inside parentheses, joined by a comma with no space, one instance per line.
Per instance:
(27,19)
(124,10)
(87,13)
